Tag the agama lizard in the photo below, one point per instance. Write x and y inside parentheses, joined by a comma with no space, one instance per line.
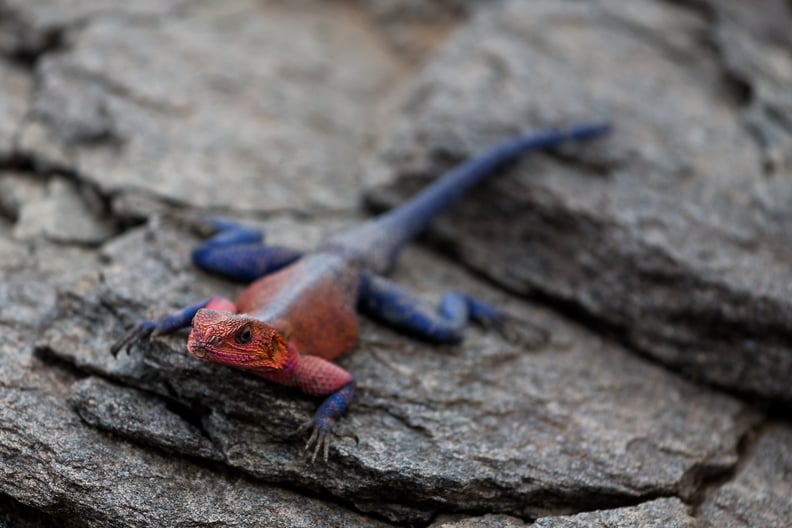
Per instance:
(299,312)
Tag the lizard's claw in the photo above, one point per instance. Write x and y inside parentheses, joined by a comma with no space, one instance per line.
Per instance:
(320,440)
(322,435)
(138,331)
(517,331)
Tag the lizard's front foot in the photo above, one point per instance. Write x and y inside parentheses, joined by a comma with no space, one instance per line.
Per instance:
(322,435)
(170,323)
(137,332)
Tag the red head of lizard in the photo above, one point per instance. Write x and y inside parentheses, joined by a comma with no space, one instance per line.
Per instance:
(237,341)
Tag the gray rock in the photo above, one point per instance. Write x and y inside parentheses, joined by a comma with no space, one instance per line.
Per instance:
(16,515)
(485,521)
(65,212)
(29,28)
(138,416)
(286,126)
(660,513)
(577,423)
(415,28)
(15,88)
(759,493)
(51,461)
(669,232)
(756,47)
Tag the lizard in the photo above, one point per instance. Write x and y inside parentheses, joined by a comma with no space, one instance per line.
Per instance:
(299,311)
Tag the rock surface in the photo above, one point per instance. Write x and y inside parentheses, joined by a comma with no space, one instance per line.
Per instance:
(269,110)
(759,494)
(679,239)
(118,122)
(661,513)
(16,87)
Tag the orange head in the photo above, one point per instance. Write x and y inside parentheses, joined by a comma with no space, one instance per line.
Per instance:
(237,341)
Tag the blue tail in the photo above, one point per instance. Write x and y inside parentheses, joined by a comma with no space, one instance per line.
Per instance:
(378,242)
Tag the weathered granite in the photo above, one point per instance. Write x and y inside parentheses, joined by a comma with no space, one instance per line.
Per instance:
(131,414)
(759,494)
(578,423)
(660,513)
(670,231)
(271,110)
(58,209)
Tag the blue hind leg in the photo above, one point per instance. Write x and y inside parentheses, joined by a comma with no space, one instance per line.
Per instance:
(238,253)
(387,302)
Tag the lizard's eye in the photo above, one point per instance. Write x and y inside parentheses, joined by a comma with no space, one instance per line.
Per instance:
(244,336)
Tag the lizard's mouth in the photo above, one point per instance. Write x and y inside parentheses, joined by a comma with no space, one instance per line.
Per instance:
(201,348)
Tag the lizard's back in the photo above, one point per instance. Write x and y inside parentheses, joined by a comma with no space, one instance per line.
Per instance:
(312,301)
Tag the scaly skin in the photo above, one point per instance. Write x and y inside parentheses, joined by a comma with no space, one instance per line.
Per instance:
(300,311)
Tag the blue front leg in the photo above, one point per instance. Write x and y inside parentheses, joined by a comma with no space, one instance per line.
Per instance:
(148,328)
(389,303)
(238,253)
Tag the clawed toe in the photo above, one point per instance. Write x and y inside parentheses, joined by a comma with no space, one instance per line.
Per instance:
(137,332)
(519,332)
(320,439)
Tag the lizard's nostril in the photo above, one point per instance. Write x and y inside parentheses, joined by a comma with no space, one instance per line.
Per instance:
(199,352)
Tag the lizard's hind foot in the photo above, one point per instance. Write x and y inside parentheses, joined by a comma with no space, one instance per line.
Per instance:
(517,331)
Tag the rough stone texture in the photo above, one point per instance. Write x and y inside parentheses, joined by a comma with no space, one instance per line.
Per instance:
(415,28)
(15,87)
(759,494)
(31,27)
(58,209)
(271,110)
(114,114)
(485,521)
(680,243)
(16,515)
(661,513)
(52,461)
(491,416)
(131,413)
(755,42)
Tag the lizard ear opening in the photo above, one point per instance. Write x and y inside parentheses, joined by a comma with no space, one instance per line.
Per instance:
(273,352)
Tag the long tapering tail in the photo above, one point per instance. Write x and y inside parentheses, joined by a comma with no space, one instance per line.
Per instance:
(379,241)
